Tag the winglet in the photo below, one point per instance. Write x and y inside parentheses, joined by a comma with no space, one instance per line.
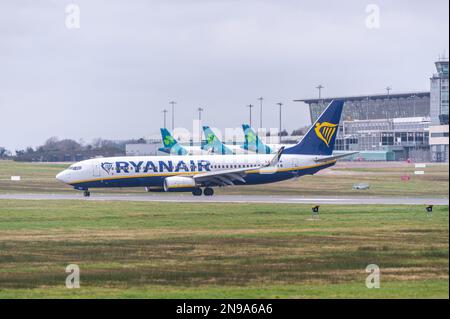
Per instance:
(274,161)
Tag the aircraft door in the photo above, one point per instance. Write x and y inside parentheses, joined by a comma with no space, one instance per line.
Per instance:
(295,164)
(96,169)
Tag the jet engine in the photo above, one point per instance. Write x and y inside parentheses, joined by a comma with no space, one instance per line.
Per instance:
(179,184)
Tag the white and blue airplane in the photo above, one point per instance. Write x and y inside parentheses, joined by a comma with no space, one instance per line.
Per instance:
(199,174)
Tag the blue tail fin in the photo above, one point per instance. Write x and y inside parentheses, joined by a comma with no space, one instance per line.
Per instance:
(252,141)
(320,138)
(171,146)
(214,143)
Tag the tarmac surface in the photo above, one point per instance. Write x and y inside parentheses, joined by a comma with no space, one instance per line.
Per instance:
(188,198)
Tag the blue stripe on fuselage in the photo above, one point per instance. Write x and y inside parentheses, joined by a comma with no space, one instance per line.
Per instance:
(157,181)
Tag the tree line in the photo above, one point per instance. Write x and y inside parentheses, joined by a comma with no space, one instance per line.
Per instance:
(67,150)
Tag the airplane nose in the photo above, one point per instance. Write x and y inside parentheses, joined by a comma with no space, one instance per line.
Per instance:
(62,177)
(59,176)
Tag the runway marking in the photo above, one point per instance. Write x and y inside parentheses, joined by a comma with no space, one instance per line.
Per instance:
(320,199)
(262,199)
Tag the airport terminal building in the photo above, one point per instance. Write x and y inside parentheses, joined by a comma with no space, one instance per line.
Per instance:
(381,127)
(410,125)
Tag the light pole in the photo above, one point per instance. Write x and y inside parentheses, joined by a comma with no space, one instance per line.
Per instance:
(413,97)
(165,114)
(173,114)
(320,87)
(200,110)
(260,112)
(388,89)
(279,123)
(250,106)
(367,108)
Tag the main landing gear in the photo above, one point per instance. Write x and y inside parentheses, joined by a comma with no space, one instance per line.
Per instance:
(86,193)
(208,191)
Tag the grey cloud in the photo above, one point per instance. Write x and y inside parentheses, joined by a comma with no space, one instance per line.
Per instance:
(112,77)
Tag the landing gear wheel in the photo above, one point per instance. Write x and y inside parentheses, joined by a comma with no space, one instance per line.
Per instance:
(87,193)
(197,192)
(208,191)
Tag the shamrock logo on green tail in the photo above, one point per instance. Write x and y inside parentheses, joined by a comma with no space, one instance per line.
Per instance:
(210,138)
(168,140)
(251,137)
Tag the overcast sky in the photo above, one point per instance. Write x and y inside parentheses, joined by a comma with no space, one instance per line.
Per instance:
(112,77)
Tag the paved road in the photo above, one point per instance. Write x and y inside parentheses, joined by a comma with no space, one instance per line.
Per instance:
(364,200)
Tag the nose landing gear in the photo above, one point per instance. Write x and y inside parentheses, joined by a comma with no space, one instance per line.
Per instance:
(86,193)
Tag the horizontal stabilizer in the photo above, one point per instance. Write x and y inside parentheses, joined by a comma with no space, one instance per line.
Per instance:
(331,158)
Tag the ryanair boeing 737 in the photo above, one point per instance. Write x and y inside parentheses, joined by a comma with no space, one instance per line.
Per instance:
(199,174)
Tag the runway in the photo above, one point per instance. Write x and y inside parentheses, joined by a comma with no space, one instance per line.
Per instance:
(188,198)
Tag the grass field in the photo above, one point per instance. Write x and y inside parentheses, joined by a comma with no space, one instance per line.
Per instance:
(384,180)
(171,250)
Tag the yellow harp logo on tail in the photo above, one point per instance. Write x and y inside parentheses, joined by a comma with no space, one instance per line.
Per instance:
(325,131)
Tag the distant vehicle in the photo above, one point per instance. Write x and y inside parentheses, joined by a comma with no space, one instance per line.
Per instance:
(199,174)
(361,186)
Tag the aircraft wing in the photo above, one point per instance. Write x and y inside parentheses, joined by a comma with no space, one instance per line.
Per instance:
(335,157)
(223,178)
(229,176)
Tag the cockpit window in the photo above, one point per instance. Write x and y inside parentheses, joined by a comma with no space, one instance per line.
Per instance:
(74,168)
